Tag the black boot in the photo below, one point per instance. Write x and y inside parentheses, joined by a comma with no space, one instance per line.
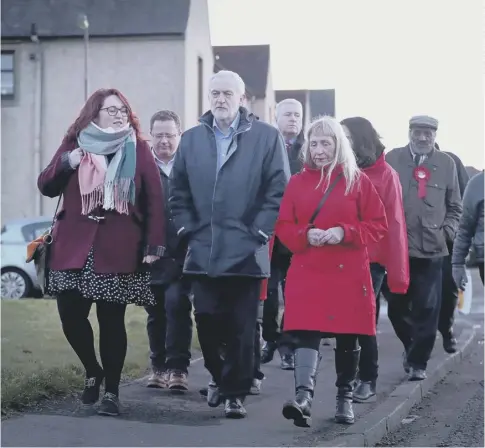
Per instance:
(346,364)
(306,367)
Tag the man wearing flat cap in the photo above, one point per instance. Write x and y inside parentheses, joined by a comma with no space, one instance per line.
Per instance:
(432,205)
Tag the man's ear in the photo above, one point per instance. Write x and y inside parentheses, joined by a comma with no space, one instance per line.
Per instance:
(243,99)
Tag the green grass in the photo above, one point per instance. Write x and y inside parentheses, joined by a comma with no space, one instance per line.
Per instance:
(38,362)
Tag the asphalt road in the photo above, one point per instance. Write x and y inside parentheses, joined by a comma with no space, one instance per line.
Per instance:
(452,413)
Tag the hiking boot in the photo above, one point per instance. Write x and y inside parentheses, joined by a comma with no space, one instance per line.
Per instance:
(177,381)
(306,367)
(110,405)
(234,408)
(287,361)
(158,379)
(256,387)
(90,393)
(267,352)
(417,374)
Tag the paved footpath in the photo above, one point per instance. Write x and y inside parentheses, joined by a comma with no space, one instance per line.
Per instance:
(157,418)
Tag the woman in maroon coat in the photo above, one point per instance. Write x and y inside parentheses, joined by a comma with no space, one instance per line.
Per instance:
(110,222)
(328,286)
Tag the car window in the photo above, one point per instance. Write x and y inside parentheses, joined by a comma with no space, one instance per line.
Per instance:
(33,231)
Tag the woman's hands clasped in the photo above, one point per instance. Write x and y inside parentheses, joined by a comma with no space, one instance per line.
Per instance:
(320,237)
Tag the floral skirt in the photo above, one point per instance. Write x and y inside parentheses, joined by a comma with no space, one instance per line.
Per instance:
(117,288)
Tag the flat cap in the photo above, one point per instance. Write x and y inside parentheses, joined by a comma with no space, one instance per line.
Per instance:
(423,121)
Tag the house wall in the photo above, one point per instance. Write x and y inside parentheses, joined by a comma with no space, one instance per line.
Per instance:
(149,71)
(197,44)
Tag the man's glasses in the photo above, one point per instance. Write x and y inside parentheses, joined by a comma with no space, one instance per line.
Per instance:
(162,136)
(113,111)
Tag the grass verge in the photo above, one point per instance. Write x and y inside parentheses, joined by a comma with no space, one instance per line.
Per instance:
(38,362)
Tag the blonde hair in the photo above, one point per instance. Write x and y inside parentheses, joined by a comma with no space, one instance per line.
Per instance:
(344,155)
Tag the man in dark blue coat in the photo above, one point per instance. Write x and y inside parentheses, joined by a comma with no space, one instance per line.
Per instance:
(227,183)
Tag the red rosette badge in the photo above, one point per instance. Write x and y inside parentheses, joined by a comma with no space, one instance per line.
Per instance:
(421,174)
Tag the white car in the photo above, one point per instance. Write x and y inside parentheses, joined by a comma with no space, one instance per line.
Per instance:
(18,278)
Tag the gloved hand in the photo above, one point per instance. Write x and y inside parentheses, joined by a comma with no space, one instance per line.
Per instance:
(75,157)
(314,237)
(459,276)
(334,235)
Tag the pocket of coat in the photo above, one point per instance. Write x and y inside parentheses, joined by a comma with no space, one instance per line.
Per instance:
(433,237)
(435,194)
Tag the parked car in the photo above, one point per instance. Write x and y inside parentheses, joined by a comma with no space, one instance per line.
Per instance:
(18,278)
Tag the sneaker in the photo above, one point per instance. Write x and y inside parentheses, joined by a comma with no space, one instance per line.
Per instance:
(110,405)
(158,379)
(178,381)
(256,387)
(90,393)
(288,362)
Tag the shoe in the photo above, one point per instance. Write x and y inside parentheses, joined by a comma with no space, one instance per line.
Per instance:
(158,379)
(405,363)
(449,344)
(256,387)
(214,398)
(288,362)
(110,405)
(90,393)
(326,341)
(417,374)
(346,365)
(364,391)
(267,352)
(177,381)
(234,408)
(306,367)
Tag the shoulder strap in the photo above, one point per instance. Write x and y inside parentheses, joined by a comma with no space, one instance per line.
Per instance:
(324,198)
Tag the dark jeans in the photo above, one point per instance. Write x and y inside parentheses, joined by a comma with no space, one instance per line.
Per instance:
(257,344)
(272,332)
(226,311)
(169,326)
(415,315)
(74,311)
(368,364)
(312,339)
(449,298)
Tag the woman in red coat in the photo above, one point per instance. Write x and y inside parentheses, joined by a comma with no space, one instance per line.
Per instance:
(369,152)
(328,286)
(111,223)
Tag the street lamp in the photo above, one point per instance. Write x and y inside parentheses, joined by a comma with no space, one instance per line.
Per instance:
(83,23)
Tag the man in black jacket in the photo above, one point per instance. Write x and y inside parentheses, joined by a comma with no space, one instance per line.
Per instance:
(228,180)
(289,116)
(449,293)
(169,322)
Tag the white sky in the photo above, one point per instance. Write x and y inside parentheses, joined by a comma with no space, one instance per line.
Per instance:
(387,59)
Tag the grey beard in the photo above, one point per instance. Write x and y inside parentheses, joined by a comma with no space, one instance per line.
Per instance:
(420,150)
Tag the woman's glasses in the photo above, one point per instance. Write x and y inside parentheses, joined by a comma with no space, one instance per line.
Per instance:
(113,110)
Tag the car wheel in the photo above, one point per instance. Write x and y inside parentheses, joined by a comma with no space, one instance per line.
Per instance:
(15,284)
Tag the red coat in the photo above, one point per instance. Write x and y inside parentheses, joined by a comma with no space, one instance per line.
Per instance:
(329,288)
(119,241)
(392,251)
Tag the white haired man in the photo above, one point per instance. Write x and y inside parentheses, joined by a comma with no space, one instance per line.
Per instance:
(289,120)
(227,183)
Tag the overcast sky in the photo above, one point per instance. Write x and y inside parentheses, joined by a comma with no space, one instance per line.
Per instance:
(387,59)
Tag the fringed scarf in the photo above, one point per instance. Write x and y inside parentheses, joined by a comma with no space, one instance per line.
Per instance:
(102,183)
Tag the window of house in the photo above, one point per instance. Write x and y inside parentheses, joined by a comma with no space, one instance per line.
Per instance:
(200,86)
(8,74)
